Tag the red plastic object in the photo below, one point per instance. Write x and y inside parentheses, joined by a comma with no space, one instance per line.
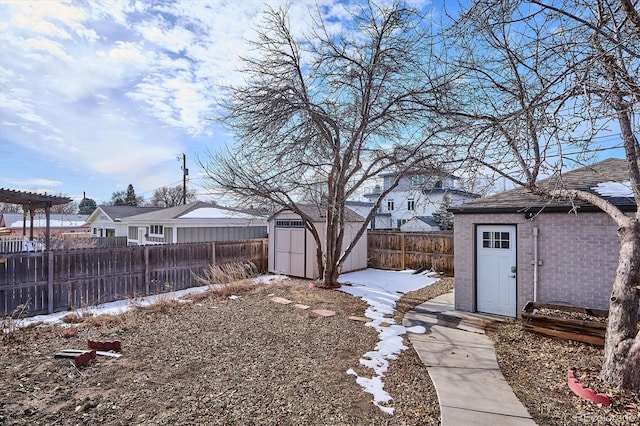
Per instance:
(83,358)
(586,393)
(104,346)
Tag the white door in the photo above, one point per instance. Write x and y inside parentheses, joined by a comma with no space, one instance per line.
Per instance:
(496,269)
(289,251)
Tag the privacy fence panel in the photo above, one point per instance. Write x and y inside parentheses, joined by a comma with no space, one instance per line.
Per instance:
(36,283)
(411,250)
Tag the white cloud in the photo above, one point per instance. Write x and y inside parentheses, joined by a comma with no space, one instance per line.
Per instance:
(119,88)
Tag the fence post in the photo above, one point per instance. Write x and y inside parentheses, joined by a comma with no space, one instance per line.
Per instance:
(402,261)
(147,276)
(213,254)
(50,281)
(265,255)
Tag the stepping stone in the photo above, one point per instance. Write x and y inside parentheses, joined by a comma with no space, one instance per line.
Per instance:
(281,300)
(299,306)
(361,319)
(323,312)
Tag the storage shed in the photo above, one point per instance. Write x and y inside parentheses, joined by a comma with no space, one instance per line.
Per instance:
(292,248)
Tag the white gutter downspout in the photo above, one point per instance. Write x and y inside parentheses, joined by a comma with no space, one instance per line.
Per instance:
(535,263)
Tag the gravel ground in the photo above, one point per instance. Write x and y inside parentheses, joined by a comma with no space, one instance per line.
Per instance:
(536,368)
(251,361)
(214,361)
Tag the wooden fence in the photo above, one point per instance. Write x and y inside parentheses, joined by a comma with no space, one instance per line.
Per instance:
(61,280)
(411,250)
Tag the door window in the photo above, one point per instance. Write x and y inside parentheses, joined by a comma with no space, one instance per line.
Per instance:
(498,240)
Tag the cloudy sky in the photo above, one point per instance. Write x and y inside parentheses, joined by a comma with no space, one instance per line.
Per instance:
(95,95)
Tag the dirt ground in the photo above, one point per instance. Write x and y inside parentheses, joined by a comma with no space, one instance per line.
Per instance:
(250,361)
(213,361)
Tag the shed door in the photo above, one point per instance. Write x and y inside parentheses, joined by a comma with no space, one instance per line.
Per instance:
(496,269)
(289,251)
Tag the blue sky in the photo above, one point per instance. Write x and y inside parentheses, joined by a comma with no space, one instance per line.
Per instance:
(97,95)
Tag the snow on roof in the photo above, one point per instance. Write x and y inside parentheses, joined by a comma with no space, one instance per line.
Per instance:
(215,213)
(614,189)
(54,223)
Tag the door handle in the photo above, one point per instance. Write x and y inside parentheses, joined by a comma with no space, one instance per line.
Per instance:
(513,276)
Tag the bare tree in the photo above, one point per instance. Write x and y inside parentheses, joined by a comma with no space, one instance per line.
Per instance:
(10,208)
(321,114)
(171,196)
(69,208)
(542,79)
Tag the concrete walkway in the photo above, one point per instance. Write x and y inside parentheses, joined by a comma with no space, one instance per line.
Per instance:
(462,364)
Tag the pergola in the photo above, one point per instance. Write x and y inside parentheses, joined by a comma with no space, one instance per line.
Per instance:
(31,202)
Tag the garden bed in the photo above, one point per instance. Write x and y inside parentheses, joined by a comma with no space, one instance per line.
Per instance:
(566,322)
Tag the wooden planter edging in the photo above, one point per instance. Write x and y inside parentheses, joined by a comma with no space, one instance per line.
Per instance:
(565,328)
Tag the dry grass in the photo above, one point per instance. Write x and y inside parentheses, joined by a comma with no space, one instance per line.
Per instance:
(227,273)
(9,326)
(160,305)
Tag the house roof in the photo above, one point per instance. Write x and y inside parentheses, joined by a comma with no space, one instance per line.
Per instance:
(455,191)
(606,178)
(318,213)
(427,171)
(358,203)
(426,219)
(119,212)
(171,212)
(195,210)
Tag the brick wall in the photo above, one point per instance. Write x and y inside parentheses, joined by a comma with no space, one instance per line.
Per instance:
(579,255)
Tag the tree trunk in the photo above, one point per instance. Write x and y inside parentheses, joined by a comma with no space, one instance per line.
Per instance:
(621,365)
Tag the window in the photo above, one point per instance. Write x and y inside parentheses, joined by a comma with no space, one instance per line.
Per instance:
(95,231)
(390,205)
(156,230)
(499,240)
(411,204)
(401,222)
(417,180)
(438,185)
(289,223)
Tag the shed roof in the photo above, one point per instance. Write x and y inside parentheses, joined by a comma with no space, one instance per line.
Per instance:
(318,213)
(589,178)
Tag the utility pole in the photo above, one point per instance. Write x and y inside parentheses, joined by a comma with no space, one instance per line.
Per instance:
(185,173)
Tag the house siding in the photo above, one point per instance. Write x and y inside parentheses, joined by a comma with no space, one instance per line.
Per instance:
(228,233)
(579,255)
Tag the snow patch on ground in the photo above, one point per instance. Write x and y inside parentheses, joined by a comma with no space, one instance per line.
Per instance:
(381,290)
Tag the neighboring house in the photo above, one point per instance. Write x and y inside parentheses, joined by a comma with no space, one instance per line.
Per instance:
(420,224)
(192,223)
(106,221)
(417,195)
(14,223)
(292,248)
(514,247)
